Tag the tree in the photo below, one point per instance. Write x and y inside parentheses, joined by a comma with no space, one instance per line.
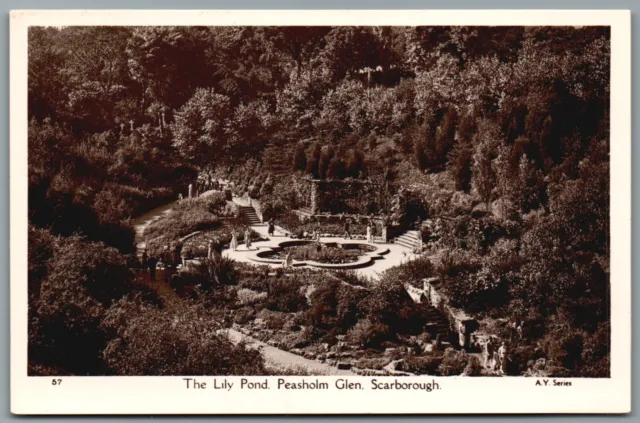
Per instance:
(300,43)
(336,168)
(46,74)
(199,127)
(325,160)
(314,161)
(96,70)
(484,176)
(148,341)
(300,158)
(83,279)
(462,158)
(445,135)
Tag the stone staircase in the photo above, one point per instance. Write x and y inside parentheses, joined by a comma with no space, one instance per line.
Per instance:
(249,216)
(437,324)
(409,239)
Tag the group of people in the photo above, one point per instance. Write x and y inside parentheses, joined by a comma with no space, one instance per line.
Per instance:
(234,239)
(370,230)
(207,182)
(171,257)
(495,357)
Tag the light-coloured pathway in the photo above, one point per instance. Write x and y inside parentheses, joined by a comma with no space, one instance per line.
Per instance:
(141,223)
(279,359)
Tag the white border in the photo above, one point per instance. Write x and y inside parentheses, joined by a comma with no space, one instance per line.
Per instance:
(167,395)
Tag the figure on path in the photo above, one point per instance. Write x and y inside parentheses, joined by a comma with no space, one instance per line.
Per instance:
(167,256)
(152,263)
(370,232)
(347,229)
(190,190)
(145,260)
(462,335)
(177,253)
(502,355)
(247,238)
(271,227)
(234,241)
(488,353)
(183,257)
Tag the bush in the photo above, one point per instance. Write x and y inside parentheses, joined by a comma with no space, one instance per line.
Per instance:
(284,295)
(474,367)
(244,315)
(179,341)
(453,363)
(376,363)
(422,365)
(82,280)
(390,305)
(368,335)
(412,271)
(249,297)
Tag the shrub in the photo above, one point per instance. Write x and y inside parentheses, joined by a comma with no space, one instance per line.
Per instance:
(367,334)
(390,304)
(244,315)
(376,363)
(275,320)
(412,271)
(284,295)
(182,340)
(453,363)
(82,280)
(474,367)
(249,297)
(210,273)
(422,365)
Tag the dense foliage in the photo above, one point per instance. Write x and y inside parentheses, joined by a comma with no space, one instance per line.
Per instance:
(501,134)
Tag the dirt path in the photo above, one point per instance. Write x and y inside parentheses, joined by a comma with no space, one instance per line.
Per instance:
(280,359)
(141,223)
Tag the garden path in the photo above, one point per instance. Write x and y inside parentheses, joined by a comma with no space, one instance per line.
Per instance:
(141,223)
(275,357)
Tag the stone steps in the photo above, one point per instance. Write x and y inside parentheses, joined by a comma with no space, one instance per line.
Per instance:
(249,215)
(409,239)
(437,320)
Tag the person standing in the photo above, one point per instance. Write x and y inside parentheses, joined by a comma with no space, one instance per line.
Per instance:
(502,355)
(234,241)
(247,238)
(347,229)
(287,261)
(488,353)
(152,263)
(145,260)
(271,227)
(167,256)
(177,253)
(210,250)
(462,335)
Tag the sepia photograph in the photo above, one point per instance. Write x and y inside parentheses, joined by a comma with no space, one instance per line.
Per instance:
(414,202)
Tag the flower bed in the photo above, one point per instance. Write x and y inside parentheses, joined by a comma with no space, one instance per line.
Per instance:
(323,253)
